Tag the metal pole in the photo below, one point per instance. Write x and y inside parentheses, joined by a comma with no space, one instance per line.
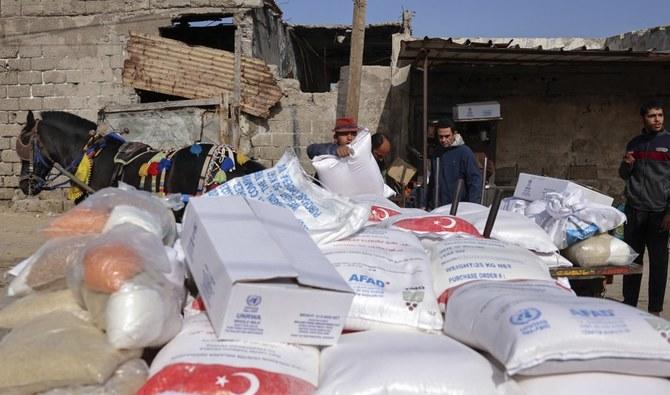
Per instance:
(425,130)
(486,162)
(237,78)
(457,197)
(493,213)
(74,179)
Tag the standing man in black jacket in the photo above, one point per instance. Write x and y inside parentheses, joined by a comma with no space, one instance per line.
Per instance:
(646,169)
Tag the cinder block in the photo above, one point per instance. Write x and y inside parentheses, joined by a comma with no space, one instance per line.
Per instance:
(11,181)
(5,143)
(42,64)
(42,90)
(65,89)
(6,193)
(54,77)
(9,77)
(56,103)
(19,64)
(18,91)
(283,140)
(9,156)
(30,77)
(30,51)
(30,103)
(9,104)
(31,8)
(17,116)
(6,169)
(4,117)
(588,172)
(10,8)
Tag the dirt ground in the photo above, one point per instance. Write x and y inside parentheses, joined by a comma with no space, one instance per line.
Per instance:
(20,237)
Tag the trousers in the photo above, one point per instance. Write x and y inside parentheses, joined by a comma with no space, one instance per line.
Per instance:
(643,229)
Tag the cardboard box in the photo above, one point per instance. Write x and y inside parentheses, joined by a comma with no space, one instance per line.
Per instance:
(260,274)
(533,187)
(476,111)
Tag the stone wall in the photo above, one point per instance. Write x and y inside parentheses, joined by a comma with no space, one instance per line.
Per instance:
(571,125)
(303,118)
(68,55)
(657,38)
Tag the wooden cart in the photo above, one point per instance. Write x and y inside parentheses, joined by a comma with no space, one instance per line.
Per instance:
(590,281)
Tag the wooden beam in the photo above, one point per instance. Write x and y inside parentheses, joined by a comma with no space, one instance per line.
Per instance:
(356,59)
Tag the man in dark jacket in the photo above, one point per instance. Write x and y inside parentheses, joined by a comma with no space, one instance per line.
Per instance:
(453,160)
(646,169)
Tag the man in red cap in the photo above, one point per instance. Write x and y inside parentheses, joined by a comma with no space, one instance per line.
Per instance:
(344,132)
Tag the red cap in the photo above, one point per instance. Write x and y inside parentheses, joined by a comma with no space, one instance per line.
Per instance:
(345,125)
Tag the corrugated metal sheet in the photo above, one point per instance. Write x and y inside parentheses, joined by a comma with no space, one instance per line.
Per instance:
(447,51)
(171,67)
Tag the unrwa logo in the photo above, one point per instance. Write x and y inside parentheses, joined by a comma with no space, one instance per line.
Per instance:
(362,278)
(254,300)
(525,316)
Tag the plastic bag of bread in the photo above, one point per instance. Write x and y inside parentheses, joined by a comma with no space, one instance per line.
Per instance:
(48,266)
(57,350)
(121,280)
(600,250)
(110,207)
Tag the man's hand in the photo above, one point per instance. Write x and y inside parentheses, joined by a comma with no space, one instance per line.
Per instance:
(665,224)
(629,158)
(343,151)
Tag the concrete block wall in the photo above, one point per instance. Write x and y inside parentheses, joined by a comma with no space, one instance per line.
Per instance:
(68,55)
(302,118)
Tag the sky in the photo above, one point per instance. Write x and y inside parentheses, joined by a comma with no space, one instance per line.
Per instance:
(493,18)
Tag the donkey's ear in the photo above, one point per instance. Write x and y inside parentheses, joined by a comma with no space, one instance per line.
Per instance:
(30,119)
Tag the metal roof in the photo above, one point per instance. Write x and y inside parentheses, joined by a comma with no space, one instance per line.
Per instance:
(446,51)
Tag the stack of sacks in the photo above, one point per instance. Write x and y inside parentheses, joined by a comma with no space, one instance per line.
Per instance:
(536,328)
(357,174)
(57,350)
(326,215)
(196,362)
(110,207)
(387,362)
(458,260)
(390,273)
(382,208)
(513,228)
(120,279)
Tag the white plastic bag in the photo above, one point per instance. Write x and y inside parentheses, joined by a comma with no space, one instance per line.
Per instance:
(600,250)
(568,218)
(458,260)
(538,328)
(398,363)
(390,273)
(110,207)
(47,268)
(591,383)
(325,215)
(357,174)
(121,280)
(195,362)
